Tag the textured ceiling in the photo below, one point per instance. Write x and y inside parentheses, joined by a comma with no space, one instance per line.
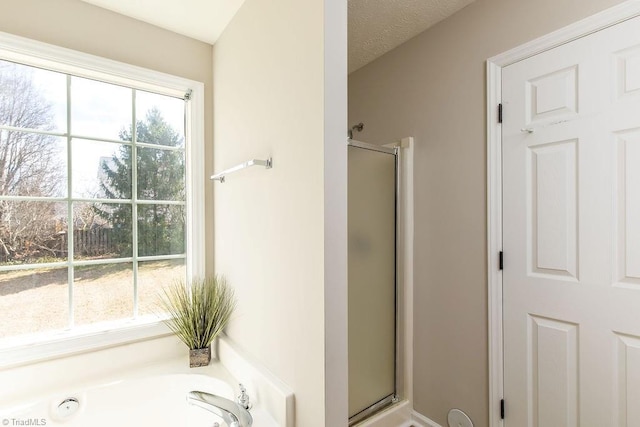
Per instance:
(375,26)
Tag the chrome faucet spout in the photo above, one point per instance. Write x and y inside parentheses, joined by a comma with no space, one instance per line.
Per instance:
(231,413)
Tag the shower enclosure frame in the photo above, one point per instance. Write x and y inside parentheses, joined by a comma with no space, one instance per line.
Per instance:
(402,358)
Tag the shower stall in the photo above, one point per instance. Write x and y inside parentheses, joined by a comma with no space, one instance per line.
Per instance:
(373,177)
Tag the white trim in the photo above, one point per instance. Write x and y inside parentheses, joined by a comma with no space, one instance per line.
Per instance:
(56,58)
(13,48)
(336,387)
(407,247)
(424,421)
(67,344)
(196,177)
(494,241)
(597,22)
(584,27)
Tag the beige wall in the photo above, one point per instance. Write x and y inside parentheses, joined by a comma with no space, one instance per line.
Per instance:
(271,81)
(86,28)
(280,234)
(433,88)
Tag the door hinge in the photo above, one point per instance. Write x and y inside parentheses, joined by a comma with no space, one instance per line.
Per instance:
(502,409)
(500,113)
(500,261)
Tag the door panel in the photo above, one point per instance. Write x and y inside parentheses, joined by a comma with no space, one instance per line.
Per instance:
(372,277)
(553,372)
(571,233)
(627,390)
(552,185)
(628,179)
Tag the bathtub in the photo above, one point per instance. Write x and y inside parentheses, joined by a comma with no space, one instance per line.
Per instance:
(158,401)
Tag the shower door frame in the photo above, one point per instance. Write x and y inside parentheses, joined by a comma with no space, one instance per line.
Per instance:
(399,366)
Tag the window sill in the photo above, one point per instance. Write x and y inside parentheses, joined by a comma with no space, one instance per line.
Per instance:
(18,351)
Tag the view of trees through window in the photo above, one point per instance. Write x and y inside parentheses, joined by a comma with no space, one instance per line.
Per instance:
(92,199)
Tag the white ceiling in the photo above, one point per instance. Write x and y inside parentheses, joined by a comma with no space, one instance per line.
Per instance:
(199,19)
(375,26)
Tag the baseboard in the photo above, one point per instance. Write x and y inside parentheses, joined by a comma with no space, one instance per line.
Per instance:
(396,415)
(399,415)
(422,420)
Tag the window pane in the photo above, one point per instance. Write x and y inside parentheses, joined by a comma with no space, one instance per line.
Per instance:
(152,277)
(160,230)
(160,174)
(42,109)
(100,110)
(101,169)
(32,165)
(32,232)
(33,301)
(160,119)
(102,230)
(32,98)
(103,292)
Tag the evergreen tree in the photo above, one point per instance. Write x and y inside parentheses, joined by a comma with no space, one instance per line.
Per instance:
(160,177)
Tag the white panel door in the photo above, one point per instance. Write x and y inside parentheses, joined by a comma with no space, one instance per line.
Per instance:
(571,230)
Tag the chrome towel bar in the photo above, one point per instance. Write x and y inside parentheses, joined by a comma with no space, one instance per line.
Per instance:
(268,164)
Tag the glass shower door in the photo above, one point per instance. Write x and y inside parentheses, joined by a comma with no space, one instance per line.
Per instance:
(372,278)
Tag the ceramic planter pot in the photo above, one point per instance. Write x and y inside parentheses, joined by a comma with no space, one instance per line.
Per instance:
(199,357)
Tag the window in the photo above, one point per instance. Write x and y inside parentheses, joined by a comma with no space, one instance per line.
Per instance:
(99,191)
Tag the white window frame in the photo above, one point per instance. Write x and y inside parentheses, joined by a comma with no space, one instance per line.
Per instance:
(23,350)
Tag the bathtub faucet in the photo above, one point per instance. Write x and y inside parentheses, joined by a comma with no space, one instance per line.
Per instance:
(231,413)
(243,398)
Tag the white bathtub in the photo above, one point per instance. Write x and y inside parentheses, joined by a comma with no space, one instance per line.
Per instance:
(158,401)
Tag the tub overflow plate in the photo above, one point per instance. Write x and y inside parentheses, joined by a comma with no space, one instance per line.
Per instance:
(68,407)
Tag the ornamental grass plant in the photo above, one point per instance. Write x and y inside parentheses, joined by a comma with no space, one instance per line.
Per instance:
(199,309)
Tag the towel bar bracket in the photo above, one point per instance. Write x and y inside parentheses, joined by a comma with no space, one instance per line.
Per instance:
(267,164)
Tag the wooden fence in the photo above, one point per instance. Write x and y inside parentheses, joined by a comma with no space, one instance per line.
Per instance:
(95,242)
(86,243)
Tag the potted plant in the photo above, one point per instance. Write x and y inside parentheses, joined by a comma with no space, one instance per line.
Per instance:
(198,311)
